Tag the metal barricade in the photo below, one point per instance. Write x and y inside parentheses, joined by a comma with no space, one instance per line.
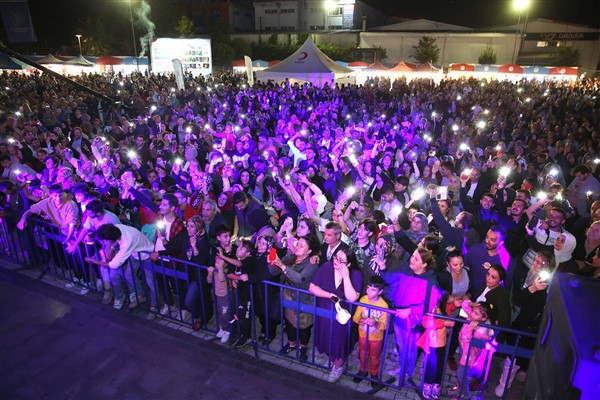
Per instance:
(179,290)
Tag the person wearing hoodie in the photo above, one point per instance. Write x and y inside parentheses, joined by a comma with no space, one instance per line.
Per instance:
(415,295)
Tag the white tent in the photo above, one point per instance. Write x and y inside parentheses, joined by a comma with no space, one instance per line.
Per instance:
(307,64)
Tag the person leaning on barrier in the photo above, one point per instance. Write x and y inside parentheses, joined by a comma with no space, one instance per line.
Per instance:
(61,211)
(130,243)
(13,203)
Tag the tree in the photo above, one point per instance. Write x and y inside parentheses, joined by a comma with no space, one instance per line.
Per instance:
(185,27)
(97,40)
(566,57)
(380,53)
(488,56)
(426,50)
(241,48)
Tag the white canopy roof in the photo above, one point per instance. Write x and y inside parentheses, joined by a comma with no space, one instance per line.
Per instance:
(307,64)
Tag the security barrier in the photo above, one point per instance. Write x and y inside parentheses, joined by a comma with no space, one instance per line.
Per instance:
(179,290)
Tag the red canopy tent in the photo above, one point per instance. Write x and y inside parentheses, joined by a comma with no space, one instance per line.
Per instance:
(462,67)
(109,60)
(274,62)
(378,65)
(510,69)
(404,67)
(360,64)
(563,71)
(238,63)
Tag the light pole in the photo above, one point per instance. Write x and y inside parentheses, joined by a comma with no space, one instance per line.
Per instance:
(133,35)
(79,41)
(520,6)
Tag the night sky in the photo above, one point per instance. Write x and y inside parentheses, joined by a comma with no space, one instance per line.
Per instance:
(57,21)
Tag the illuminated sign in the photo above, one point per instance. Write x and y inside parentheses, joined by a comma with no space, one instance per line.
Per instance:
(195,55)
(556,36)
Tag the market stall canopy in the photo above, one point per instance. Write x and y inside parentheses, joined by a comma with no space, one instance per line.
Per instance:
(308,64)
(358,64)
(510,69)
(486,68)
(564,71)
(49,59)
(79,61)
(536,70)
(378,65)
(462,67)
(109,60)
(10,63)
(135,61)
(427,67)
(259,64)
(403,67)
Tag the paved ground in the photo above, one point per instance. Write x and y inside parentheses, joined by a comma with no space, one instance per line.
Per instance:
(57,344)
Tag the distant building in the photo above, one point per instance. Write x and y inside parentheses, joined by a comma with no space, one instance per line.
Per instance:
(530,44)
(315,15)
(236,15)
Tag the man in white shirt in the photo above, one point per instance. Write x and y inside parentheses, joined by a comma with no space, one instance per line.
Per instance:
(132,244)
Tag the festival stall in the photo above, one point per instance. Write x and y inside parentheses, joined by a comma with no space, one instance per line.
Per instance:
(10,64)
(78,65)
(308,64)
(52,63)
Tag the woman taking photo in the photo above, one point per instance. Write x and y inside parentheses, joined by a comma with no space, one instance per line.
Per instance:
(198,298)
(335,281)
(530,302)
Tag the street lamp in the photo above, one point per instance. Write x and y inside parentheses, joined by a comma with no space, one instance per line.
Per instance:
(79,41)
(520,6)
(330,5)
(133,35)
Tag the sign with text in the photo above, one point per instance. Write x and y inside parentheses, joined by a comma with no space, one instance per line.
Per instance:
(562,36)
(195,55)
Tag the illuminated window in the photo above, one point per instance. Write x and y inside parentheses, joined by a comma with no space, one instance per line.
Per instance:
(336,11)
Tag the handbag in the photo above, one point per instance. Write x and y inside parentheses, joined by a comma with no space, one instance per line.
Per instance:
(341,314)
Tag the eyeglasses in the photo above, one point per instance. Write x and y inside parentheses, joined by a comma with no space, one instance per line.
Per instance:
(339,260)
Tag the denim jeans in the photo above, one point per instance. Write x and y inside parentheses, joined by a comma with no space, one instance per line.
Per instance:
(406,340)
(126,273)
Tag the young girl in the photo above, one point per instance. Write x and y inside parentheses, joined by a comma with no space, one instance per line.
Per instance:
(217,277)
(433,343)
(470,367)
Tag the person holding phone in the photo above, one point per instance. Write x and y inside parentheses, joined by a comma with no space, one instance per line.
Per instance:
(530,300)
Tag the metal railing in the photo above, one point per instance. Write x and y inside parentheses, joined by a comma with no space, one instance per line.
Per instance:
(183,287)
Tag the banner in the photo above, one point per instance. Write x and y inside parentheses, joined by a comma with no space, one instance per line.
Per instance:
(17,21)
(178,70)
(248,63)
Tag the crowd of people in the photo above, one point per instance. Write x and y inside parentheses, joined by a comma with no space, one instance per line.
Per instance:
(411,198)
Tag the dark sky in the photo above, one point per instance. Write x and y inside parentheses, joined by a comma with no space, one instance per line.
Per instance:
(485,13)
(57,21)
